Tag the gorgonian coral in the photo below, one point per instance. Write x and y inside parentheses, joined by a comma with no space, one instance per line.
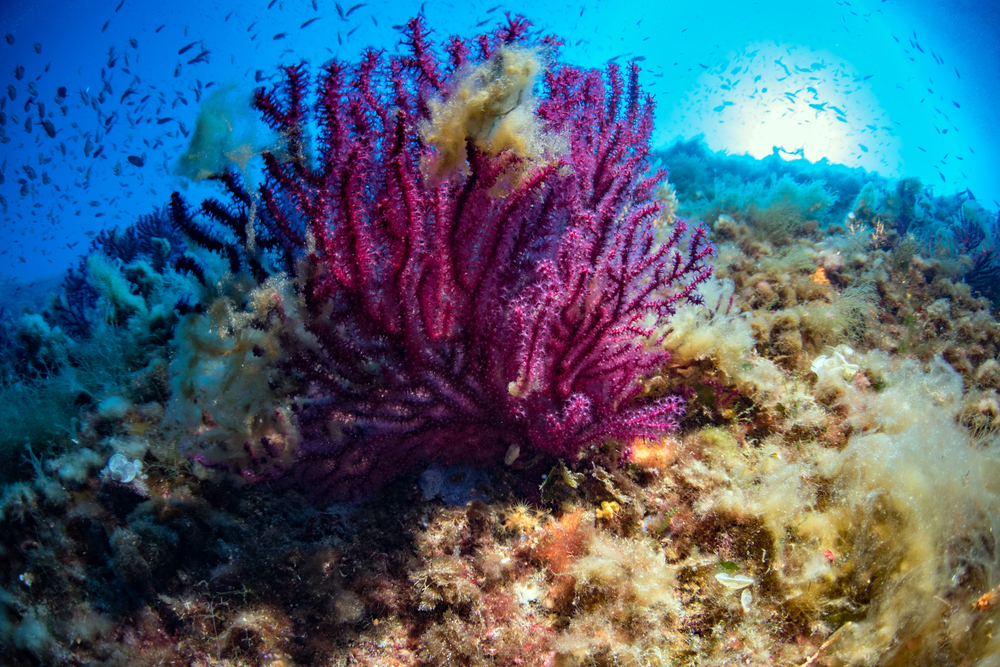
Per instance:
(481,272)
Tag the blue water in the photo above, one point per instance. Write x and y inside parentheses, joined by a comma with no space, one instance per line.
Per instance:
(901,88)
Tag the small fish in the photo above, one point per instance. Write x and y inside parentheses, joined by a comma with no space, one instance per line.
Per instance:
(272,3)
(119,5)
(863,147)
(38,48)
(61,91)
(133,42)
(106,23)
(50,129)
(200,58)
(136,160)
(161,27)
(309,22)
(11,92)
(177,70)
(163,121)
(10,38)
(259,75)
(355,8)
(957,74)
(185,49)
(922,148)
(340,10)
(280,35)
(19,72)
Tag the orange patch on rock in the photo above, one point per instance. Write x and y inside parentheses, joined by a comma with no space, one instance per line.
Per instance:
(562,541)
(653,454)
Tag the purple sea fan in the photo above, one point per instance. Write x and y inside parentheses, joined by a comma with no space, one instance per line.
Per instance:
(483,275)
